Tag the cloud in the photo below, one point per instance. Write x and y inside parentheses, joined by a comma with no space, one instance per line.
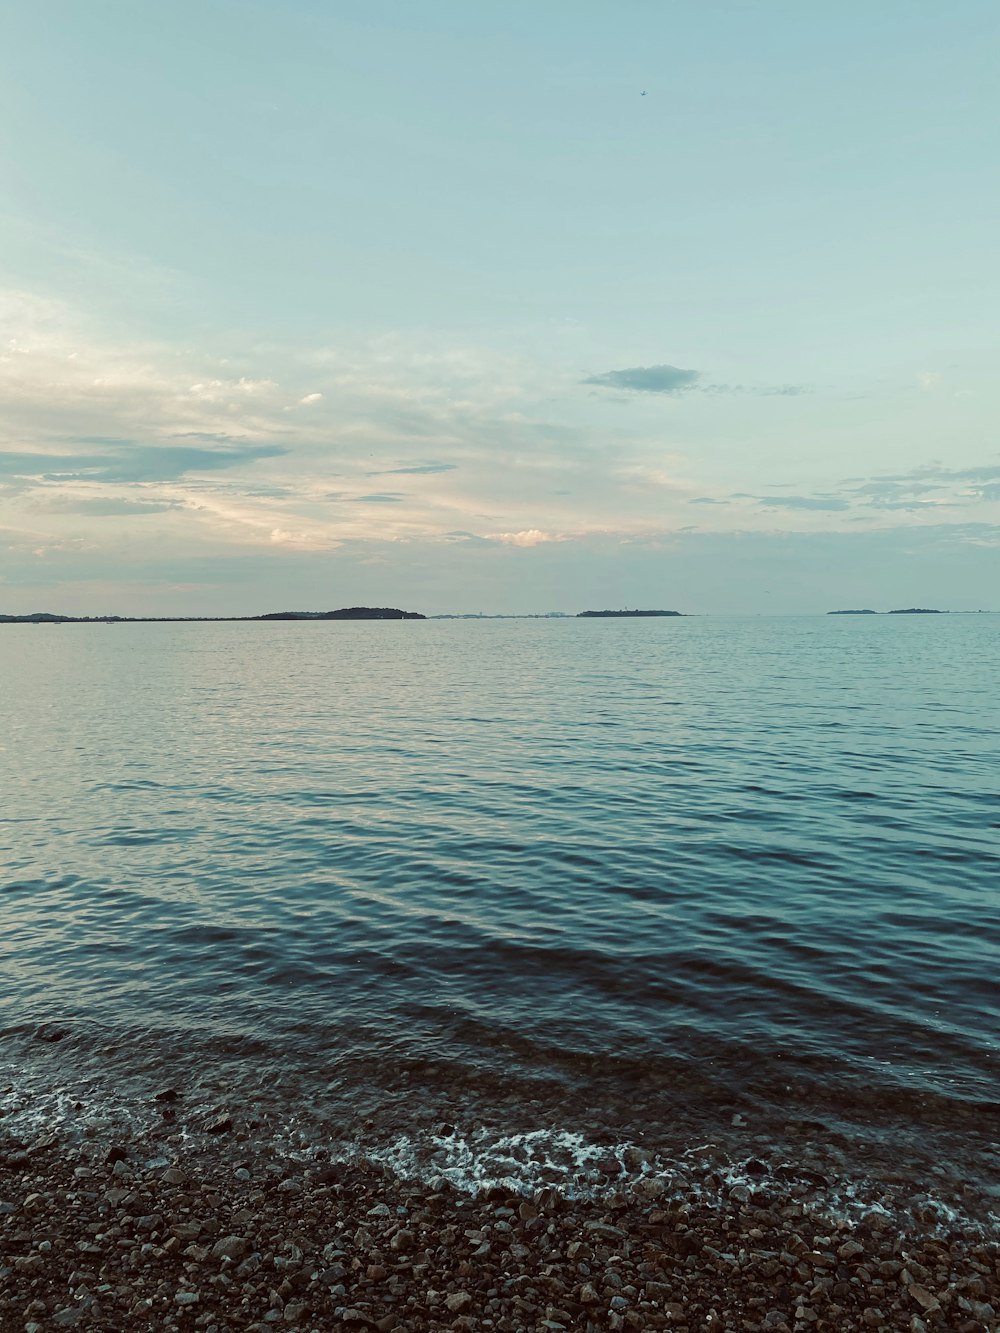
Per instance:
(530,537)
(506,452)
(761,390)
(802,502)
(673,380)
(953,486)
(418,469)
(111,507)
(647,379)
(133,462)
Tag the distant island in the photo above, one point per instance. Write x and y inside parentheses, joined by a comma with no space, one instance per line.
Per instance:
(345,613)
(903,611)
(605,614)
(865,612)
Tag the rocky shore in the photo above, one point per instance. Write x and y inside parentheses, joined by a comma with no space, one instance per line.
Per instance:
(215,1235)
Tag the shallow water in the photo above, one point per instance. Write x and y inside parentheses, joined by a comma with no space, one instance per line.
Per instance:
(615,871)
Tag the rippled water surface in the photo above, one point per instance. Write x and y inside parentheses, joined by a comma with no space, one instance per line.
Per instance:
(672,861)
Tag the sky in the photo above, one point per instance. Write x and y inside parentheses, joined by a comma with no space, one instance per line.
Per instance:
(499,307)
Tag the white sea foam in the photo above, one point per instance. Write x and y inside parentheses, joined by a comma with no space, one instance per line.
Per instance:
(523,1163)
(472,1162)
(520,1163)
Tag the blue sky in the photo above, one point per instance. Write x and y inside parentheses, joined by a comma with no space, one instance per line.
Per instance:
(426,303)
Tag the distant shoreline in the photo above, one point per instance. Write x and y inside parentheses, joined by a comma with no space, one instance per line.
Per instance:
(344,613)
(393,613)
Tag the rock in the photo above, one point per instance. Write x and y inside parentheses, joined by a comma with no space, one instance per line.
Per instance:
(458,1301)
(185,1298)
(186,1230)
(231,1247)
(219,1124)
(925,1299)
(604,1231)
(649,1187)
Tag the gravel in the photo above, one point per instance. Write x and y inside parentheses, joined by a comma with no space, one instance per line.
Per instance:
(93,1239)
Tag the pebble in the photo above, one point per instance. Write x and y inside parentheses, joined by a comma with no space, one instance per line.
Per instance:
(197,1245)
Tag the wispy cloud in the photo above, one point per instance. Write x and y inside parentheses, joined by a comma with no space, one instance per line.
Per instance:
(418,469)
(820,502)
(133,462)
(108,507)
(647,379)
(674,380)
(222,456)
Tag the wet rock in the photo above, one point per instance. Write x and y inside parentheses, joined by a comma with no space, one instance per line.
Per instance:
(51,1033)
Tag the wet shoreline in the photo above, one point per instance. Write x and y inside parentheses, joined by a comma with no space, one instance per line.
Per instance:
(181,1228)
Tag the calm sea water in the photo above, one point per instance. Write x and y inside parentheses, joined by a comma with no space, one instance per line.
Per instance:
(647,871)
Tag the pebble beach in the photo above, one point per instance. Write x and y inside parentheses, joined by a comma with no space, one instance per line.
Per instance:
(212,1234)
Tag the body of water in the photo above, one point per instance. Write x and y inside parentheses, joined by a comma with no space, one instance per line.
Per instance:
(665,878)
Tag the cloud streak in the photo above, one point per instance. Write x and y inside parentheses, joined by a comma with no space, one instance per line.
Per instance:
(672,381)
(132,462)
(647,379)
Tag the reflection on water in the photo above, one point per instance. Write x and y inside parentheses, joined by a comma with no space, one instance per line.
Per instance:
(686,855)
